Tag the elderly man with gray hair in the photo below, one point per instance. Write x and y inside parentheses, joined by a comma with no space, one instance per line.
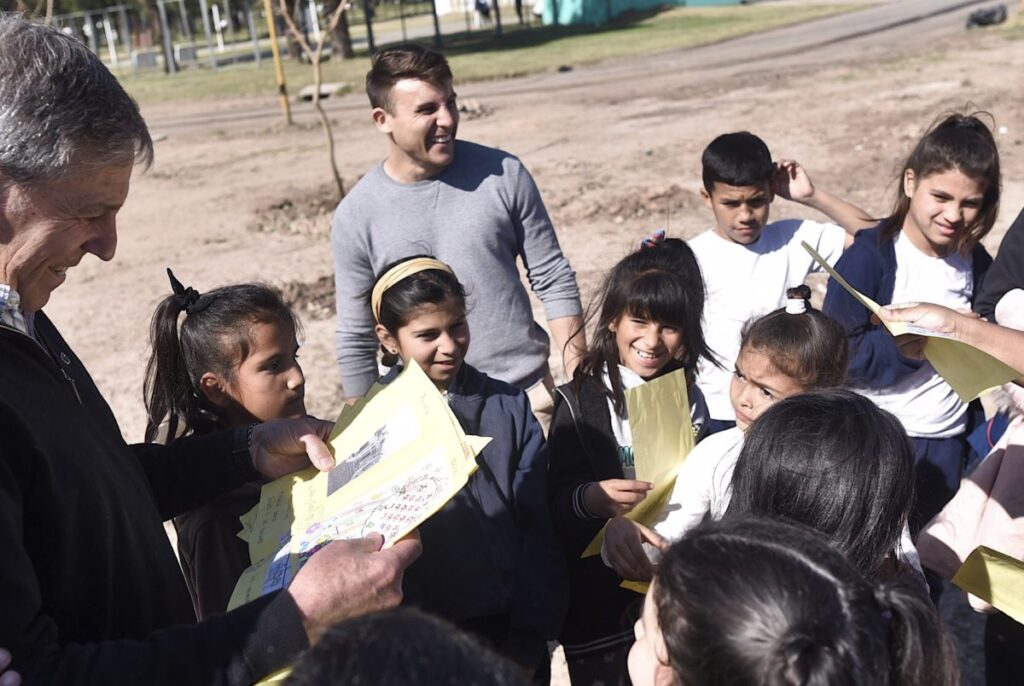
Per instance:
(90,591)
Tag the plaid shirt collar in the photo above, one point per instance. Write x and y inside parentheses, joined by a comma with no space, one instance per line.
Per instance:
(10,311)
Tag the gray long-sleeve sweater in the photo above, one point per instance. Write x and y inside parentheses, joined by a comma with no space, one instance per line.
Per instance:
(480,214)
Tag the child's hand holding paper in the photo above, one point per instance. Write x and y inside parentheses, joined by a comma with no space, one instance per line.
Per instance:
(614,497)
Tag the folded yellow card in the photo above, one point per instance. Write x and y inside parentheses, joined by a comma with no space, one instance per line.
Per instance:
(400,456)
(969,371)
(659,419)
(996,578)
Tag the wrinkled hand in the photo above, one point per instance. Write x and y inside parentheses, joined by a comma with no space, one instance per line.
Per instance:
(284,446)
(624,550)
(934,318)
(350,578)
(613,497)
(7,677)
(792,182)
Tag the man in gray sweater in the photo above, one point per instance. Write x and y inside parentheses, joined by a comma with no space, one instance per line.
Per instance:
(473,207)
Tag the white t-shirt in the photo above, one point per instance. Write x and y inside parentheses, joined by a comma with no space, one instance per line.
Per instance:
(744,282)
(703,484)
(620,423)
(925,404)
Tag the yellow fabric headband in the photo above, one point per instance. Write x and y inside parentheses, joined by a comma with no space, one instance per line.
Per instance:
(399,272)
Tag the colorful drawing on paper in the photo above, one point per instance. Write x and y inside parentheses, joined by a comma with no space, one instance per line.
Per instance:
(399,432)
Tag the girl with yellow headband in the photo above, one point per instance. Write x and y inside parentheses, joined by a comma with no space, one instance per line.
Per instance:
(491,563)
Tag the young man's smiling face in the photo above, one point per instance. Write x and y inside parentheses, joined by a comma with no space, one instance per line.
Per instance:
(741,212)
(421,120)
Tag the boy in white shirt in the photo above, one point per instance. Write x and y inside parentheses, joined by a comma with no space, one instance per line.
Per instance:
(749,264)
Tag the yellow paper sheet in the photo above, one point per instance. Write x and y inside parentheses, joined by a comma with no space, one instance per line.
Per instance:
(659,419)
(277,677)
(969,371)
(400,456)
(640,587)
(996,578)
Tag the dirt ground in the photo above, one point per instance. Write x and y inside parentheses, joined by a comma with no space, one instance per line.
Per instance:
(615,153)
(614,157)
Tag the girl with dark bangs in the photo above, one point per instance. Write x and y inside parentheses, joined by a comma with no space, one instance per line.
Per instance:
(650,305)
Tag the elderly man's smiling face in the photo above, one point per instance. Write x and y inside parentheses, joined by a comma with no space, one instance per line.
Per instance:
(48,227)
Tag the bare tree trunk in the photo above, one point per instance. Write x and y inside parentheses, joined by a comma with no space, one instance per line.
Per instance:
(314,58)
(341,39)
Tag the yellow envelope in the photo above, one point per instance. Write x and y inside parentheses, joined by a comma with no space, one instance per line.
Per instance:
(969,371)
(659,419)
(996,578)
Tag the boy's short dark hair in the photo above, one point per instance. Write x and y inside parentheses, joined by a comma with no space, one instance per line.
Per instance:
(402,647)
(409,61)
(737,159)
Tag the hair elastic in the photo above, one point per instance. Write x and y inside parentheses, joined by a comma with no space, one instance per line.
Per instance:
(796,306)
(652,241)
(189,298)
(397,273)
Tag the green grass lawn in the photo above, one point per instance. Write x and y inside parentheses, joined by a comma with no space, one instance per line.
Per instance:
(481,55)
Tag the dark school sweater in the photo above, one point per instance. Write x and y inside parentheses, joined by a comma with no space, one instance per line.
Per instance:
(90,590)
(212,555)
(1006,273)
(490,553)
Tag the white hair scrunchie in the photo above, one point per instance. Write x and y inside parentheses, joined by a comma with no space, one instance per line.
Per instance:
(796,306)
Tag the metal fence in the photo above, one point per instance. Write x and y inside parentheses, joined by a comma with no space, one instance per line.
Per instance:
(185,34)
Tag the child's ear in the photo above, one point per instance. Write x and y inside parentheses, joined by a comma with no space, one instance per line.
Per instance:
(386,339)
(381,119)
(707,197)
(909,183)
(214,390)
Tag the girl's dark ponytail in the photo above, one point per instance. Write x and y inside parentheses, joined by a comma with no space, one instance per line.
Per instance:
(167,388)
(921,653)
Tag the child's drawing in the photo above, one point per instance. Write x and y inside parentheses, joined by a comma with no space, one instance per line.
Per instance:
(399,431)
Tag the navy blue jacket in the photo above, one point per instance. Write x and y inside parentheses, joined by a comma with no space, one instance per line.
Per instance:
(870,267)
(491,553)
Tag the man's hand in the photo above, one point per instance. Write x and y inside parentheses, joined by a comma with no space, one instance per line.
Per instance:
(614,497)
(792,182)
(934,318)
(349,578)
(571,341)
(284,446)
(624,550)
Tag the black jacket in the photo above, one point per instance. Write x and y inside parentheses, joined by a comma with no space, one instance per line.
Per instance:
(212,555)
(583,449)
(90,590)
(1006,272)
